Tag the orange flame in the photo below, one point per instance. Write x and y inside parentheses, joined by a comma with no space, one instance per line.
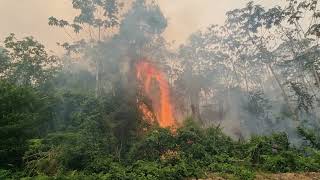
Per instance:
(148,74)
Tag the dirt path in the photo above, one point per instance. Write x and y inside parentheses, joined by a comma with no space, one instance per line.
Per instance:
(283,176)
(289,176)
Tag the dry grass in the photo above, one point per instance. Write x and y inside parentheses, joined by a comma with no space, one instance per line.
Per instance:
(289,176)
(283,176)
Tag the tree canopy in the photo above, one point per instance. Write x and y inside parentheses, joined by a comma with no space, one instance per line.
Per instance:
(245,96)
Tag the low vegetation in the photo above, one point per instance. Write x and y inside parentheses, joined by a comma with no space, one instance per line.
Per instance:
(89,140)
(61,119)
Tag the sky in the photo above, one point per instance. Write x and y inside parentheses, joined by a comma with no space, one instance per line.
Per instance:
(30,17)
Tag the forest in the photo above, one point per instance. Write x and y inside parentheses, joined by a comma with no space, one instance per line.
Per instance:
(238,100)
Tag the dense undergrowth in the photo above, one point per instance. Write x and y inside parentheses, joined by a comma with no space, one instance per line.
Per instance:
(76,117)
(64,135)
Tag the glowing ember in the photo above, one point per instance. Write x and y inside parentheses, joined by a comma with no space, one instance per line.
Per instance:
(147,114)
(148,75)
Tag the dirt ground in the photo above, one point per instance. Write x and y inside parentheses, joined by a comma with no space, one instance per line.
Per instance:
(289,176)
(284,176)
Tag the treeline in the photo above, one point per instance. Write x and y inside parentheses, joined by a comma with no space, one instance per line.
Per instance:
(76,117)
(260,66)
(53,130)
(67,135)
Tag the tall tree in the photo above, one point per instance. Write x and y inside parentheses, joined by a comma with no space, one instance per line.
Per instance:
(26,62)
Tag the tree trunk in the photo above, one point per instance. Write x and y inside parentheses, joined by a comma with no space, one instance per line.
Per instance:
(97,79)
(316,76)
(284,94)
(195,106)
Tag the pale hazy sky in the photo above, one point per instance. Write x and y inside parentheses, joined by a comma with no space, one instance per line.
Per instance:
(30,17)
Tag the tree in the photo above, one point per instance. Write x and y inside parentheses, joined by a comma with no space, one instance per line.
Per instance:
(26,62)
(24,114)
(201,68)
(4,62)
(291,54)
(96,17)
(116,38)
(96,20)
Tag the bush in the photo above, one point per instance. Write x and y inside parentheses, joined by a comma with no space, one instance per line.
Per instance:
(290,161)
(239,172)
(24,114)
(5,174)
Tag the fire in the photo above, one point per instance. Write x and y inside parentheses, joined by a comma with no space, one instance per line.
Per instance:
(151,77)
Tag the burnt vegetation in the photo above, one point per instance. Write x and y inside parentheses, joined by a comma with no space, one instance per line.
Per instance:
(245,96)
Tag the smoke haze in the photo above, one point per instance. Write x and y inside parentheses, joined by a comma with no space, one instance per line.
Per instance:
(30,17)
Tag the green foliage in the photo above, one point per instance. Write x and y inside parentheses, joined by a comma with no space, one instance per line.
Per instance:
(79,137)
(4,62)
(67,133)
(238,171)
(311,136)
(76,81)
(26,62)
(155,144)
(107,9)
(260,146)
(90,139)
(5,174)
(24,114)
(305,101)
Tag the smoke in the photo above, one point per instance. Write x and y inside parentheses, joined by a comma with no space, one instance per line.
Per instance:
(139,28)
(30,18)
(145,31)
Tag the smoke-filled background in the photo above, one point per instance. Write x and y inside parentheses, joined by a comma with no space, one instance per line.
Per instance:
(30,17)
(146,89)
(212,77)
